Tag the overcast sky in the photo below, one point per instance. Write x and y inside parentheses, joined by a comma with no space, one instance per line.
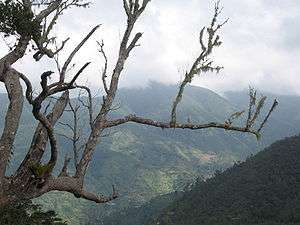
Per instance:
(261,43)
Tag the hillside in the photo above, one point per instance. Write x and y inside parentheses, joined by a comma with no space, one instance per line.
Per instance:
(27,213)
(142,215)
(263,190)
(146,162)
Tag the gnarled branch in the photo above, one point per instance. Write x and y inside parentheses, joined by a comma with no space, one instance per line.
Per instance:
(75,186)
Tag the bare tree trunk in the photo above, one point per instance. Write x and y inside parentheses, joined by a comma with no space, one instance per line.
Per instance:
(12,119)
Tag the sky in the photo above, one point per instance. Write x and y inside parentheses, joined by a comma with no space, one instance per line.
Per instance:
(261,44)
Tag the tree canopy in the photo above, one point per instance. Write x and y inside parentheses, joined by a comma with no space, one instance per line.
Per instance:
(27,213)
(263,190)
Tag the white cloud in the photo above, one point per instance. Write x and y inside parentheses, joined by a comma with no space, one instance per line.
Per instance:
(261,46)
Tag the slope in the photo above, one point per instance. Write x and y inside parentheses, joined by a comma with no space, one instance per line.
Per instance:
(263,190)
(146,162)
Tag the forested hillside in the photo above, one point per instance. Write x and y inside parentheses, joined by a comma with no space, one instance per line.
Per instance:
(27,213)
(142,215)
(264,190)
(146,162)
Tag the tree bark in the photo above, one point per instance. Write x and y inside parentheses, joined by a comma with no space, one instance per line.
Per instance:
(12,119)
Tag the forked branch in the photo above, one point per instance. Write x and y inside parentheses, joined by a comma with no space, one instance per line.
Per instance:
(202,63)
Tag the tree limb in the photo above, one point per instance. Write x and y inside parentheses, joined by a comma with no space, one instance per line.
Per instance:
(74,186)
(201,64)
(165,125)
(71,56)
(12,119)
(124,51)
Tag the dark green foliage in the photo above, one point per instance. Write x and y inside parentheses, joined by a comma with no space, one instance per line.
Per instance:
(40,170)
(15,19)
(142,215)
(28,214)
(263,190)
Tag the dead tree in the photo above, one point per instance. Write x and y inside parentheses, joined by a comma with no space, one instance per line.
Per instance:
(34,178)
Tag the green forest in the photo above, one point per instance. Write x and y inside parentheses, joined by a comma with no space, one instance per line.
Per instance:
(265,189)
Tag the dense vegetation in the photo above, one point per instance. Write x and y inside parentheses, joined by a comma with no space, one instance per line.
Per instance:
(142,215)
(145,162)
(16,20)
(263,190)
(28,214)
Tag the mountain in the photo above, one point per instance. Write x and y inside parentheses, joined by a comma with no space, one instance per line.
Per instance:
(263,190)
(147,162)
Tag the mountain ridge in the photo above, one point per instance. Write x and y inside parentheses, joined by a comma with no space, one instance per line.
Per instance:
(145,162)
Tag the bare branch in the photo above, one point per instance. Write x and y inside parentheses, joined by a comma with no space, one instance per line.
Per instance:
(46,12)
(74,186)
(75,131)
(104,70)
(78,73)
(64,171)
(201,64)
(89,106)
(165,125)
(67,125)
(56,7)
(124,52)
(275,104)
(228,125)
(126,7)
(71,56)
(98,198)
(133,43)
